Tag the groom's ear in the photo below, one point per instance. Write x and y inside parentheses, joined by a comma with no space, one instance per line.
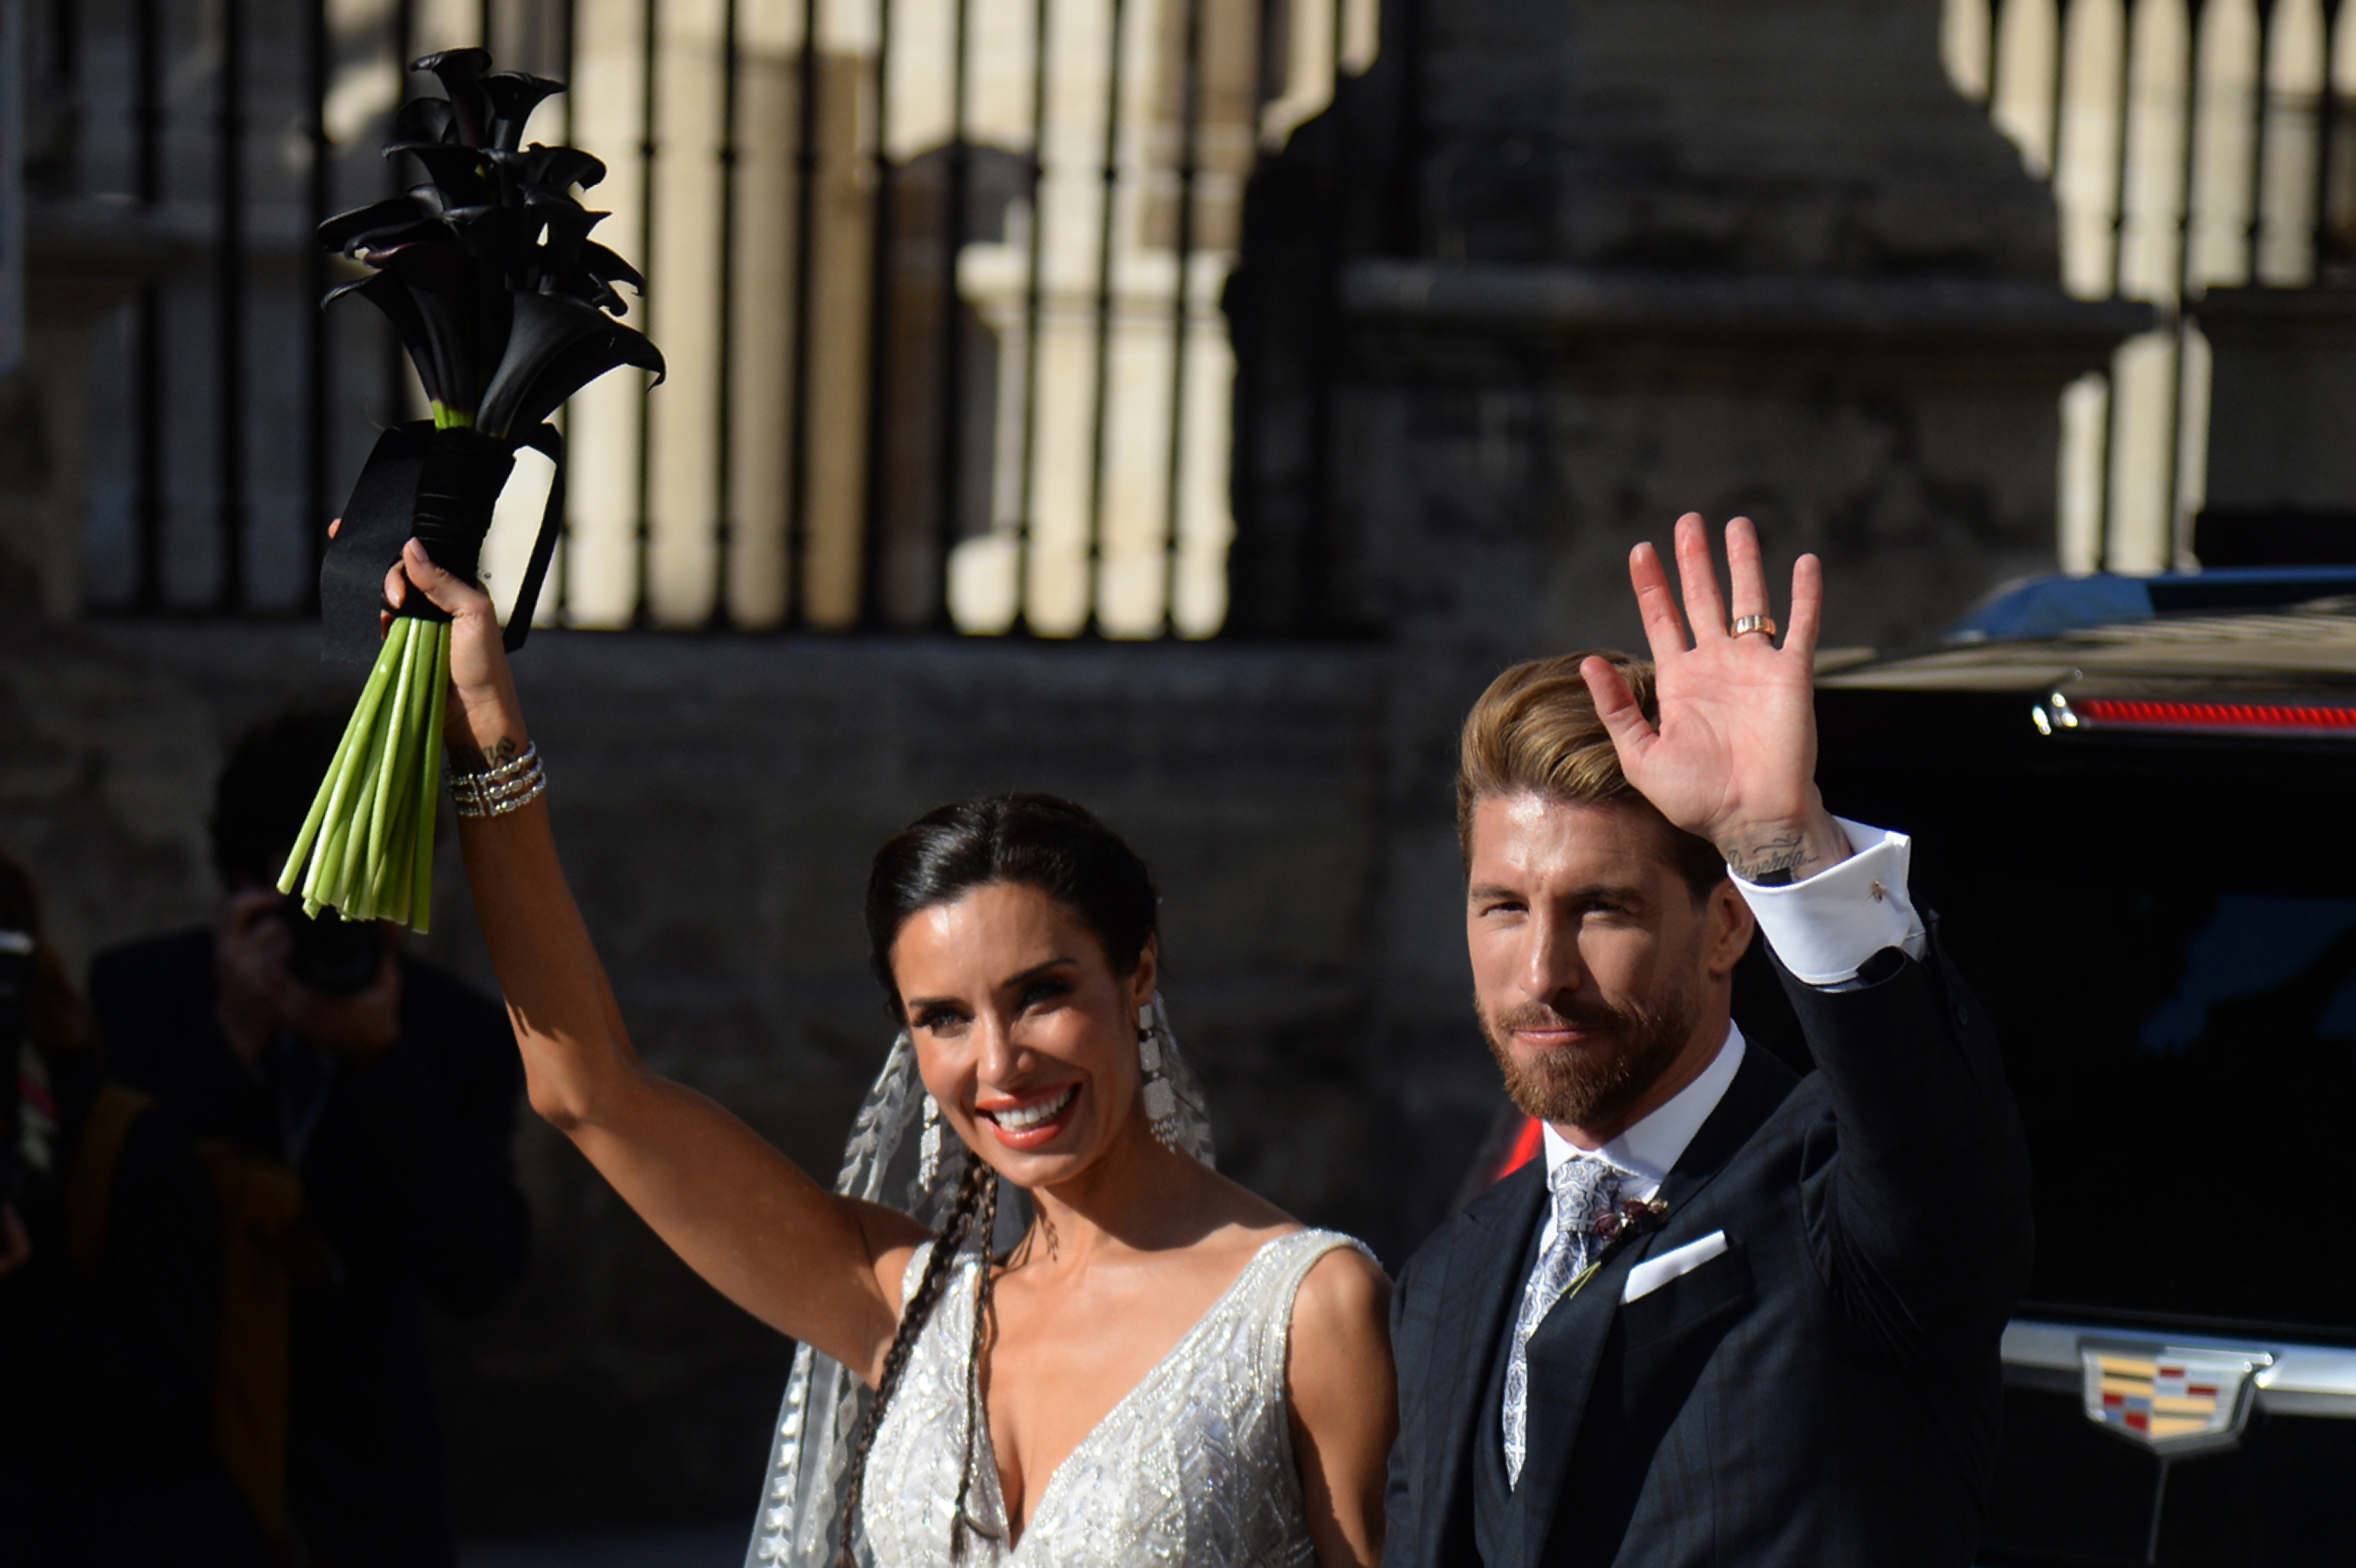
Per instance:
(1730,925)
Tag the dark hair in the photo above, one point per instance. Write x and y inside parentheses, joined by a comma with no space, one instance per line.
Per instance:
(264,792)
(1031,841)
(1034,842)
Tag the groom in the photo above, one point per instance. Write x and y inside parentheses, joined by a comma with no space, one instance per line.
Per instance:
(1734,1316)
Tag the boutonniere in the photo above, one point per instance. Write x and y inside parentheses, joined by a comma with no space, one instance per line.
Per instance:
(1616,1228)
(1631,1219)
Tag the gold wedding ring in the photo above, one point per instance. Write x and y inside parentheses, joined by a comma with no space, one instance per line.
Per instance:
(1764,624)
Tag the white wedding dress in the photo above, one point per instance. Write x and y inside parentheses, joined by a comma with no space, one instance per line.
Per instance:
(1193,1466)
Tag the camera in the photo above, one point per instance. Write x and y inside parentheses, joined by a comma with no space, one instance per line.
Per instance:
(333,956)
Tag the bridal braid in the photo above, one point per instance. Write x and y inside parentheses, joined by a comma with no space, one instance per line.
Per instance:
(976,1193)
(985,1225)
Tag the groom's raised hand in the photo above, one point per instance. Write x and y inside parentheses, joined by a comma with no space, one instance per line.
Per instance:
(1734,757)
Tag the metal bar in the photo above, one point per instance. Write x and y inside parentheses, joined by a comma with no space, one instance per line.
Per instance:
(954,219)
(1265,17)
(557,598)
(1995,47)
(1034,297)
(65,41)
(396,358)
(649,36)
(1189,162)
(2118,268)
(317,381)
(806,167)
(2184,279)
(229,284)
(2260,98)
(1109,177)
(1309,610)
(724,436)
(878,325)
(2327,117)
(483,21)
(567,59)
(2060,85)
(147,416)
(1408,159)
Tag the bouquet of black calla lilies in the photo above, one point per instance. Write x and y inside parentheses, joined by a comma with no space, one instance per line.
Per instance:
(506,307)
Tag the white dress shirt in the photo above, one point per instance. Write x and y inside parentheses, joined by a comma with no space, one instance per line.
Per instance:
(1824,929)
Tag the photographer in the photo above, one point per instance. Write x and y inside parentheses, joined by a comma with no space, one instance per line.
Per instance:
(322,1055)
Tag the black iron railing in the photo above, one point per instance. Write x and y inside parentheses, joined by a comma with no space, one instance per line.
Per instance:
(2194,144)
(937,281)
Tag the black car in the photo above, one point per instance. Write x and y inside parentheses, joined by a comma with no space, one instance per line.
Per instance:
(2140,836)
(2134,811)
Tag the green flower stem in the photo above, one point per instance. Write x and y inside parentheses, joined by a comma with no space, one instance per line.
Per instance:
(348,876)
(339,785)
(301,853)
(366,845)
(429,782)
(386,782)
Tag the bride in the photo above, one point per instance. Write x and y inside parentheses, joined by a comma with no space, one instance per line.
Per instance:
(1159,1367)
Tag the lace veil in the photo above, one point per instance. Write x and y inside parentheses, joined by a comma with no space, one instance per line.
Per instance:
(810,1454)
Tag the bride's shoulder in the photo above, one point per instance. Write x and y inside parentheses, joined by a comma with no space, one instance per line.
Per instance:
(1344,1291)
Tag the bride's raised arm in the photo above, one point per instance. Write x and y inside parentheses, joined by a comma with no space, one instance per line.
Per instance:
(820,1268)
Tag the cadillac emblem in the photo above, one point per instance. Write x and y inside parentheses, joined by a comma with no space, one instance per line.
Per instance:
(2170,1400)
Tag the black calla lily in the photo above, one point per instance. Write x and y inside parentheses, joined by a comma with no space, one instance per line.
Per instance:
(390,295)
(507,308)
(562,168)
(495,225)
(424,120)
(461,71)
(513,95)
(556,346)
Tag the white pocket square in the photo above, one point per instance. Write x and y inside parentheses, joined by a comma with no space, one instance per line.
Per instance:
(1654,1272)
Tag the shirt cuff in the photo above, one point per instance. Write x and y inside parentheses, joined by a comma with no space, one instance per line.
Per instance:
(1824,928)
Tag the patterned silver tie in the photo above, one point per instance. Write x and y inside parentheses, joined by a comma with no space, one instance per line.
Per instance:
(1583,1188)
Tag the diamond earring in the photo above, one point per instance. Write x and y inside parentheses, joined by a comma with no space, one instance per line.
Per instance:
(928,1147)
(1160,1101)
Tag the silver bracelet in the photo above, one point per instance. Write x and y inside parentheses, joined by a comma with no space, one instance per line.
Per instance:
(510,786)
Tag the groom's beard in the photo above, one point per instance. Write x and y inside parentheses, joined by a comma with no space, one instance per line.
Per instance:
(1578,1087)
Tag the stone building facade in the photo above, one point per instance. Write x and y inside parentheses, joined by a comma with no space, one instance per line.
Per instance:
(1541,278)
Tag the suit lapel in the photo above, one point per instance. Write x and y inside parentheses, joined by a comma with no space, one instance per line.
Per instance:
(1478,1293)
(1569,1345)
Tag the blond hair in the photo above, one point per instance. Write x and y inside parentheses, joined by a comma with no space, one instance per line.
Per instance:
(1535,731)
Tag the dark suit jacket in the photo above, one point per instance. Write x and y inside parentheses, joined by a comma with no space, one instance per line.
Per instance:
(1824,1393)
(408,1177)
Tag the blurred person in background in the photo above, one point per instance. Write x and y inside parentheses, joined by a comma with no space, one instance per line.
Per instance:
(109,1294)
(370,1099)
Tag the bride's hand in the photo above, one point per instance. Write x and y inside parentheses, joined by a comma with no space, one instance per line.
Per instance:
(484,718)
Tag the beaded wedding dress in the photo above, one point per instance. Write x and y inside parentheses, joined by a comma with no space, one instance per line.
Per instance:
(1193,1466)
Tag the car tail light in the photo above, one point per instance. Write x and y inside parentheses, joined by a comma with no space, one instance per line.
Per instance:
(2149,714)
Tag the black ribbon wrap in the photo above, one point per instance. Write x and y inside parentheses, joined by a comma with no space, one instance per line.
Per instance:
(438,486)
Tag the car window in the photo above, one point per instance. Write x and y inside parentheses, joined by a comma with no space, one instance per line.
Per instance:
(2183,1047)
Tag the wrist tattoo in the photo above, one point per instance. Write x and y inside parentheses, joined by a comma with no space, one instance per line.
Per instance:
(1772,864)
(483,759)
